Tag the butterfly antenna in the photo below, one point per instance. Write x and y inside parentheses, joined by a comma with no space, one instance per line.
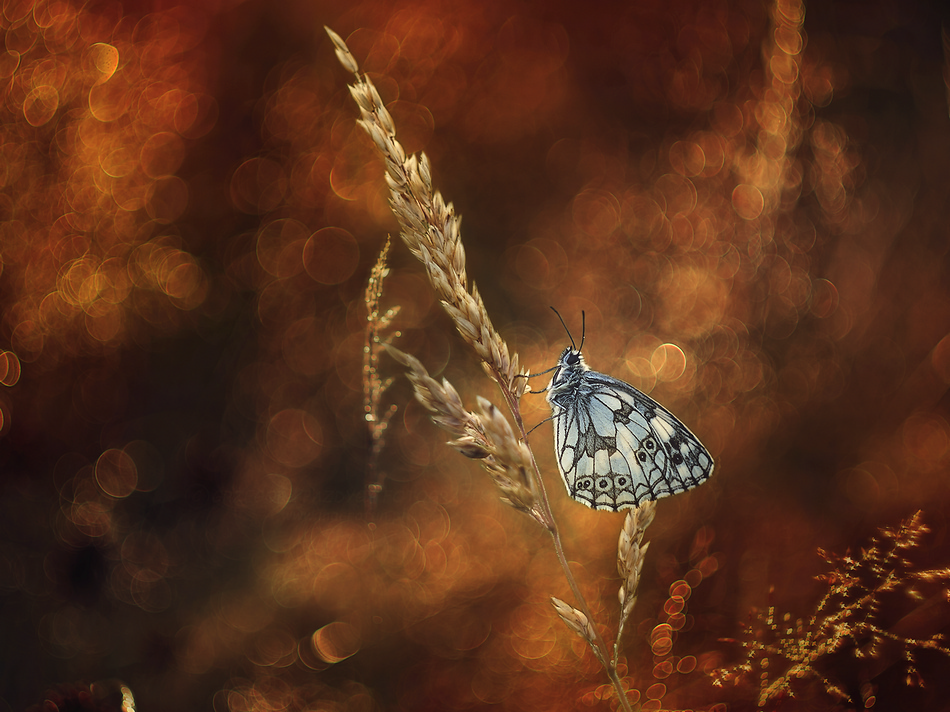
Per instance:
(566,329)
(583,329)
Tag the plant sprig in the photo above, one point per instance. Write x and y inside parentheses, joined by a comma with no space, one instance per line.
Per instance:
(431,230)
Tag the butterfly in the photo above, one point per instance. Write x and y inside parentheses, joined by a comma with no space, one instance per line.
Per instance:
(615,446)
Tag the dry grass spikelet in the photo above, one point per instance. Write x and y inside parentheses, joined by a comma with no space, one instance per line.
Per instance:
(580,624)
(374,386)
(431,230)
(631,553)
(486,436)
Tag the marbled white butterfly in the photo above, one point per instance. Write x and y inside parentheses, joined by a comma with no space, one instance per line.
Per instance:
(615,446)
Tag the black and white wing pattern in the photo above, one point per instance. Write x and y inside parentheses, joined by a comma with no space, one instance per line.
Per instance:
(615,446)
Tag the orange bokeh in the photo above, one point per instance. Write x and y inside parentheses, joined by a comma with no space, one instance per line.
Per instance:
(745,199)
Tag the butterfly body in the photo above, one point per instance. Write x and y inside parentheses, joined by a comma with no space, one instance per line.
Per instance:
(615,446)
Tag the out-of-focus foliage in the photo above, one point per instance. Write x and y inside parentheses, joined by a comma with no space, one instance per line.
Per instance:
(748,201)
(863,592)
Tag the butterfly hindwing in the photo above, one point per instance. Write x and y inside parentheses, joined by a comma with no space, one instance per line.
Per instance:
(616,446)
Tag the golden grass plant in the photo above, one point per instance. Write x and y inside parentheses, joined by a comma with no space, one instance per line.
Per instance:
(431,230)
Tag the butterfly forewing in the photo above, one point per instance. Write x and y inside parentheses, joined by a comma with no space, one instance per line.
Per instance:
(615,446)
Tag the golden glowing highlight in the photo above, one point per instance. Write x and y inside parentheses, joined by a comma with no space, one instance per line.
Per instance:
(215,479)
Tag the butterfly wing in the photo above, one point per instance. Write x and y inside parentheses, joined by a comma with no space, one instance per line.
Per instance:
(617,447)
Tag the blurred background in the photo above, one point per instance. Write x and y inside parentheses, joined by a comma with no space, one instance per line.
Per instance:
(749,202)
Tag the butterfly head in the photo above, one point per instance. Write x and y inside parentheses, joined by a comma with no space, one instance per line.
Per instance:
(570,359)
(570,367)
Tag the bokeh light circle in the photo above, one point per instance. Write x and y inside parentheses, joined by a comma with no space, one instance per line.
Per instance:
(294,437)
(331,255)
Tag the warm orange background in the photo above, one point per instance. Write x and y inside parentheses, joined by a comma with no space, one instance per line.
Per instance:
(752,213)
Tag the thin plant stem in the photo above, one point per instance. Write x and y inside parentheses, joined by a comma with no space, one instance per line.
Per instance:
(431,230)
(609,663)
